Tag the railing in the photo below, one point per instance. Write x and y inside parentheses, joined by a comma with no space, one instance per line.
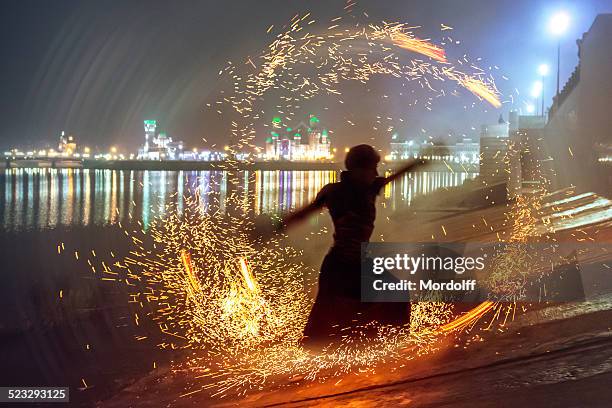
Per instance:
(569,86)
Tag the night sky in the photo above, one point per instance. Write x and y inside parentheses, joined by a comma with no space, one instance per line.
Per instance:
(97,69)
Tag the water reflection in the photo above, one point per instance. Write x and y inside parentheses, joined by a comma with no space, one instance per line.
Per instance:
(46,198)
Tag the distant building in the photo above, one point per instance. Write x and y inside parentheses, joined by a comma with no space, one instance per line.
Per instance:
(465,151)
(494,140)
(150,128)
(300,143)
(67,144)
(527,161)
(511,154)
(404,149)
(158,146)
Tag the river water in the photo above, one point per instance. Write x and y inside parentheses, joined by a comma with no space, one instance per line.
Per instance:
(36,199)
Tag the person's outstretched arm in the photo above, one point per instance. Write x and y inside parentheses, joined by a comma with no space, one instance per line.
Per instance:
(266,227)
(410,165)
(299,215)
(304,212)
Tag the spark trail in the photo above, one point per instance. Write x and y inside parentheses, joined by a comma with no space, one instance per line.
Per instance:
(301,65)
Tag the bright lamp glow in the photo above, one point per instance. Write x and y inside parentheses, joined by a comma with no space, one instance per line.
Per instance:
(559,23)
(543,69)
(530,108)
(536,90)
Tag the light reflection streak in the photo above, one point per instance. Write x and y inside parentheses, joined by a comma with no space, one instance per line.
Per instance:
(43,198)
(107,191)
(8,198)
(163,184)
(86,180)
(68,207)
(54,195)
(180,192)
(146,199)
(29,199)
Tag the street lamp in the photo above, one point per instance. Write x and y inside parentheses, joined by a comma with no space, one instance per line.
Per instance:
(558,25)
(537,92)
(543,70)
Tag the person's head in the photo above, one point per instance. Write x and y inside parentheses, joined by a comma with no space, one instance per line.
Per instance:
(362,159)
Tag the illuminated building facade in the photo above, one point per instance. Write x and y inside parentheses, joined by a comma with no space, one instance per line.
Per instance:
(301,143)
(67,144)
(465,151)
(405,149)
(158,145)
(150,128)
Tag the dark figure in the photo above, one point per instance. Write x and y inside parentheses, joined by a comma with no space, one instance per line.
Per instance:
(352,206)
